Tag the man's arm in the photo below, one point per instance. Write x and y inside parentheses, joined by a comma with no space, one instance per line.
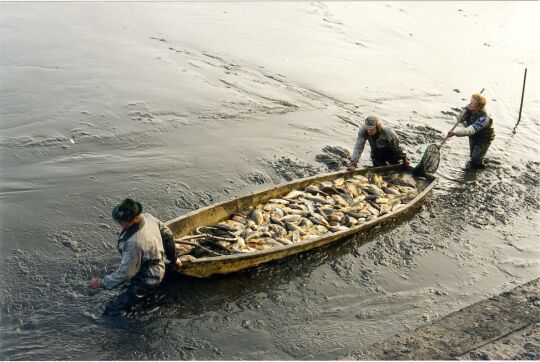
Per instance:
(130,265)
(481,122)
(169,247)
(359,145)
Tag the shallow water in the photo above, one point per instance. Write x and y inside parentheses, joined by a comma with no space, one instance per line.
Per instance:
(181,105)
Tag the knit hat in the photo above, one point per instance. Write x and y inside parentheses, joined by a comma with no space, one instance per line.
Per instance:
(371,122)
(126,210)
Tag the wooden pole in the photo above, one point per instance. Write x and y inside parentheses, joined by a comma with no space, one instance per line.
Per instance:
(522,96)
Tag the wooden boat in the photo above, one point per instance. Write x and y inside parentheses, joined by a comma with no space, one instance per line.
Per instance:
(219,265)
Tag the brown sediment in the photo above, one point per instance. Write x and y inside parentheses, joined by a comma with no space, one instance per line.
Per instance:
(470,333)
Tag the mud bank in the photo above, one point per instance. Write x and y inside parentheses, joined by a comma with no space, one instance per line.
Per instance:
(501,327)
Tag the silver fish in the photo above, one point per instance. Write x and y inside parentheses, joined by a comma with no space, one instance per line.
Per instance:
(257,216)
(293,194)
(279,201)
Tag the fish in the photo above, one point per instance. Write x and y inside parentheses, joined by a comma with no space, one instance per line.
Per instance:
(302,215)
(297,207)
(255,241)
(312,189)
(279,231)
(239,218)
(305,222)
(309,204)
(293,227)
(339,182)
(283,241)
(357,215)
(336,217)
(359,199)
(351,189)
(184,249)
(257,216)
(340,200)
(338,228)
(318,219)
(271,242)
(280,201)
(226,227)
(349,220)
(403,179)
(316,199)
(391,191)
(290,218)
(373,211)
(270,206)
(293,194)
(296,212)
(327,184)
(361,178)
(253,236)
(186,258)
(276,221)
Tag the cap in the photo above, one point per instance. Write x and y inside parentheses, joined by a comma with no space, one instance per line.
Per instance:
(126,210)
(371,122)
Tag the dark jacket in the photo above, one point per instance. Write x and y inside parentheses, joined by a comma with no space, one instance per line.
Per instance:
(478,126)
(384,146)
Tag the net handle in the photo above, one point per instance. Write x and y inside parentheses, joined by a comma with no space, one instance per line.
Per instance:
(459,117)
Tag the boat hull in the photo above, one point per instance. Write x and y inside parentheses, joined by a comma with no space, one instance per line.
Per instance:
(221,265)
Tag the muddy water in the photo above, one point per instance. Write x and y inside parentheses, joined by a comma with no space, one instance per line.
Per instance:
(181,105)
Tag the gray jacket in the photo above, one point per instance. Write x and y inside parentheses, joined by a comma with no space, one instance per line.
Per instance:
(387,141)
(143,256)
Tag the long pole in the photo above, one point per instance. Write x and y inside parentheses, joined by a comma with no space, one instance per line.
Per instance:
(521,105)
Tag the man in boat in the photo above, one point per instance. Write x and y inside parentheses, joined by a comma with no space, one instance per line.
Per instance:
(145,245)
(478,125)
(384,143)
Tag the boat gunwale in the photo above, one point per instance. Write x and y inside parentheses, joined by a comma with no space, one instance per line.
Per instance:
(336,235)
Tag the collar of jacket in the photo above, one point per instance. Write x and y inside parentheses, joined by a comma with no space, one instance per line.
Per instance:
(128,233)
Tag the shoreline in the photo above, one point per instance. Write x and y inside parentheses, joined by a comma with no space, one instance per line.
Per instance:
(501,327)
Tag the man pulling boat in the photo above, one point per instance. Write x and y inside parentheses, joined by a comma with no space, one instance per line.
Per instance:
(384,143)
(145,244)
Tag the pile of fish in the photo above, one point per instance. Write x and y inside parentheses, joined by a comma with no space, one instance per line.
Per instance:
(320,209)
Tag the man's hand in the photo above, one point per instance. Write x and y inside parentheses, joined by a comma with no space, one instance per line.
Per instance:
(406,162)
(95,283)
(351,166)
(178,264)
(451,133)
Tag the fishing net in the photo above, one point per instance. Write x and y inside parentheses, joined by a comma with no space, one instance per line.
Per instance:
(430,161)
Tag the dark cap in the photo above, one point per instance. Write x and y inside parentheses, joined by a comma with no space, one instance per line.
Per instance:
(126,210)
(371,122)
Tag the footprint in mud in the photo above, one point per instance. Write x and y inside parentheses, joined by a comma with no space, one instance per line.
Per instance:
(67,239)
(334,157)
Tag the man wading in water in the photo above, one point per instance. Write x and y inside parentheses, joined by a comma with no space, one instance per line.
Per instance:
(144,243)
(479,128)
(384,143)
